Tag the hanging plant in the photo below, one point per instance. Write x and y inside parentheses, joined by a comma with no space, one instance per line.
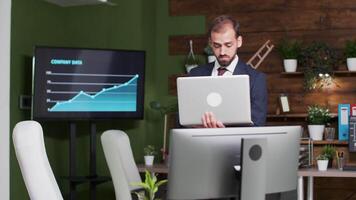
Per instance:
(318,61)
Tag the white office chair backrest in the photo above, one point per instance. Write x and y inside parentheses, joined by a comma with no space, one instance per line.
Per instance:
(121,163)
(31,155)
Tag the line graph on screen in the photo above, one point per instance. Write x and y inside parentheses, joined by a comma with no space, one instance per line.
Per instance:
(79,92)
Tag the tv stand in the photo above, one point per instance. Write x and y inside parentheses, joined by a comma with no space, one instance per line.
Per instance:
(92,178)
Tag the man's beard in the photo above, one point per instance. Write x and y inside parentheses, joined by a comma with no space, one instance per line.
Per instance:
(225,63)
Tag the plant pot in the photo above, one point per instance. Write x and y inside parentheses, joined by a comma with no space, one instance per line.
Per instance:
(149,160)
(190,67)
(211,59)
(316,131)
(322,165)
(351,64)
(290,65)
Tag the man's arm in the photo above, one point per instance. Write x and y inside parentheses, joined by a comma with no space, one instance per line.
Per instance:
(259,100)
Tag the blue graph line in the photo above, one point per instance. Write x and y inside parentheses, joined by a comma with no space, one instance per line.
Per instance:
(117,98)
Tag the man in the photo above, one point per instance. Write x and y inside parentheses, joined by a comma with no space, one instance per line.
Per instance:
(225,39)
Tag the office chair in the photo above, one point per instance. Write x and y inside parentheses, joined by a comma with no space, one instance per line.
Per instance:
(121,163)
(35,168)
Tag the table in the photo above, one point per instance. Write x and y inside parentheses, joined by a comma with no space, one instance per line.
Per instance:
(156,168)
(310,173)
(314,172)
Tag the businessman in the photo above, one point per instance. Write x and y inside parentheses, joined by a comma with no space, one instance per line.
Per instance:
(224,40)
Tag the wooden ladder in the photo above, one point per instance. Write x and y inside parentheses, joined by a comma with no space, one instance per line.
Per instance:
(257,58)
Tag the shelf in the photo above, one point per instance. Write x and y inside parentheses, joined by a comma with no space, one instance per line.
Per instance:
(295,115)
(292,73)
(325,142)
(335,72)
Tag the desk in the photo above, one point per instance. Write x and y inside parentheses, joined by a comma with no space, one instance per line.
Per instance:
(314,172)
(156,168)
(310,173)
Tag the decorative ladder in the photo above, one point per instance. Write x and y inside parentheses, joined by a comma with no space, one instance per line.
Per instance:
(257,58)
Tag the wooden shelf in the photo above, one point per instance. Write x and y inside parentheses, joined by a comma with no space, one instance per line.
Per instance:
(292,73)
(295,115)
(325,142)
(335,72)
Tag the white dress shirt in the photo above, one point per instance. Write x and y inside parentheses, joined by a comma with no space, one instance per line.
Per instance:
(230,68)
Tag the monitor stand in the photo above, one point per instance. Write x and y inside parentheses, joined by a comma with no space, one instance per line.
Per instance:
(253,169)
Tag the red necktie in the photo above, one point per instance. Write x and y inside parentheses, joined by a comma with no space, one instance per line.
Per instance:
(221,71)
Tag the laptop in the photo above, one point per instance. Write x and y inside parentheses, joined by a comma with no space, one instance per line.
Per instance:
(228,97)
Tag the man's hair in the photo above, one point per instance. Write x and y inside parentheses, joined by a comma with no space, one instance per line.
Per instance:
(219,22)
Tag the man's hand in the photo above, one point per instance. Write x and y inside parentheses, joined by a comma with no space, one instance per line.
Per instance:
(209,121)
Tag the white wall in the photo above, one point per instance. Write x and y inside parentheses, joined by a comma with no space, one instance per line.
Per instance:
(5,16)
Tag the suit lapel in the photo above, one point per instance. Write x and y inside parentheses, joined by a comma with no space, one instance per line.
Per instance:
(209,69)
(239,69)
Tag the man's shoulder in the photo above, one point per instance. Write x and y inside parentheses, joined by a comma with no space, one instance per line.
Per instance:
(250,71)
(202,70)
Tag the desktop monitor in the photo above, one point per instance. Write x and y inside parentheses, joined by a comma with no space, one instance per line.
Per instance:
(203,162)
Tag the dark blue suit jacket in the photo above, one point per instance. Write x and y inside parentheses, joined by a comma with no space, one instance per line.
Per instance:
(258,88)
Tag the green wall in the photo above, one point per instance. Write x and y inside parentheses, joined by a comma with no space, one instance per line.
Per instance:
(135,24)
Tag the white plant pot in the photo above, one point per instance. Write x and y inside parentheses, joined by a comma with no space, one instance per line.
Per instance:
(322,165)
(211,59)
(190,67)
(149,160)
(351,64)
(290,65)
(316,131)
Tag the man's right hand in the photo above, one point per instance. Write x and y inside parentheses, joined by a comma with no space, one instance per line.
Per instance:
(209,121)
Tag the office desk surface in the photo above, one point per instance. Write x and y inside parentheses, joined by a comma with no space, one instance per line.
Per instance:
(314,172)
(310,172)
(156,168)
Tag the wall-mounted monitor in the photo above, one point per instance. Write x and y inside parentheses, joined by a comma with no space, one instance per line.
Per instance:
(77,83)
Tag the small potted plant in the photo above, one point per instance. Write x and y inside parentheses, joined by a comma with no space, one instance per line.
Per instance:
(289,50)
(322,161)
(330,152)
(317,118)
(150,186)
(318,61)
(150,152)
(209,52)
(350,51)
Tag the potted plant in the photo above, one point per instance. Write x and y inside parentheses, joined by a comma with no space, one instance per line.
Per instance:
(150,186)
(209,52)
(350,51)
(289,50)
(150,152)
(330,152)
(318,61)
(317,118)
(322,161)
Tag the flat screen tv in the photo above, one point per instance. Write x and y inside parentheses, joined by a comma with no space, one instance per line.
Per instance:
(77,83)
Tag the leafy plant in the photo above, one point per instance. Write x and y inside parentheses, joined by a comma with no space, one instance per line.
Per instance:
(322,157)
(289,49)
(350,49)
(150,185)
(208,51)
(329,151)
(318,61)
(318,115)
(150,150)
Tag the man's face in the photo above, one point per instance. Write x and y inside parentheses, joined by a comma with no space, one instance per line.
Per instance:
(225,44)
